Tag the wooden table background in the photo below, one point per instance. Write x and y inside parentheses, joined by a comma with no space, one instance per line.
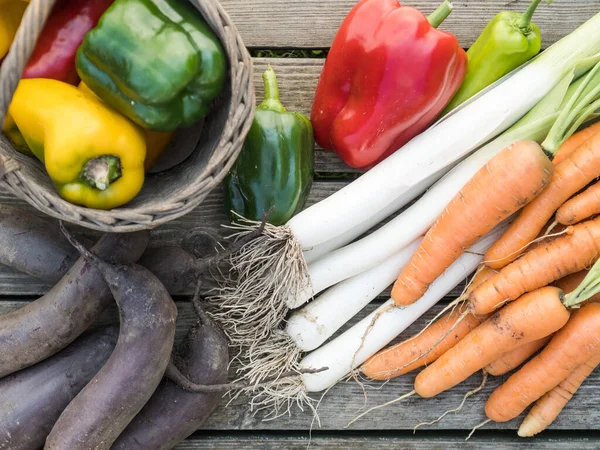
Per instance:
(312,24)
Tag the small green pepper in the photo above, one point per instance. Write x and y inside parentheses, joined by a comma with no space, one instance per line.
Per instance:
(155,61)
(507,42)
(275,166)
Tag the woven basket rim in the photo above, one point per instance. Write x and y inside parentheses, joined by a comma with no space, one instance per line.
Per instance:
(127,219)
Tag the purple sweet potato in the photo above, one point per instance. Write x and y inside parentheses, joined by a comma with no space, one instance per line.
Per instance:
(173,266)
(33,245)
(173,414)
(32,399)
(47,325)
(101,411)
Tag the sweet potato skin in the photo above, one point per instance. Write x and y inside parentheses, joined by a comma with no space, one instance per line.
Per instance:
(32,399)
(47,325)
(33,245)
(173,414)
(103,409)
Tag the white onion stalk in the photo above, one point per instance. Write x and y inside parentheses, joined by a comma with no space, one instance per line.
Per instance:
(363,340)
(350,349)
(369,251)
(316,322)
(309,327)
(315,253)
(269,274)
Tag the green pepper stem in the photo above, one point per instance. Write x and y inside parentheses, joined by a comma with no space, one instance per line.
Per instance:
(440,14)
(589,287)
(101,172)
(271,100)
(582,104)
(525,22)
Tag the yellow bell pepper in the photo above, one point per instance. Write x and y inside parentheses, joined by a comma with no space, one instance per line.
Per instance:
(156,141)
(94,156)
(11,13)
(12,132)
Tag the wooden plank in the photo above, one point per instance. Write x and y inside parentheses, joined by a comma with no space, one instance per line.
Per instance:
(314,23)
(346,400)
(208,217)
(454,441)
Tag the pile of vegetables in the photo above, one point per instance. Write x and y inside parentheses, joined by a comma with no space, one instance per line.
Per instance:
(103,94)
(505,188)
(67,385)
(503,158)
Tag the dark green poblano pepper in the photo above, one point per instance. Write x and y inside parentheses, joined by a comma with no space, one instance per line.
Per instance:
(275,166)
(155,61)
(507,42)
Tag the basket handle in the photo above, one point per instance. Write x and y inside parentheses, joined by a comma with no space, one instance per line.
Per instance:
(31,26)
(7,165)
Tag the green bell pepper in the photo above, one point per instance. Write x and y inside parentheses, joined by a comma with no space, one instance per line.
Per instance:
(155,61)
(507,42)
(275,166)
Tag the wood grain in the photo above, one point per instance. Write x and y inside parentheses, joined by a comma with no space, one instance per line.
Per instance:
(345,400)
(454,441)
(314,23)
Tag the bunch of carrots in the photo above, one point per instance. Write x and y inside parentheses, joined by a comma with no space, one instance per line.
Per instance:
(535,293)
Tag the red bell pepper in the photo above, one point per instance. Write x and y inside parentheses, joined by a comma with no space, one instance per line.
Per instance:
(63,32)
(388,76)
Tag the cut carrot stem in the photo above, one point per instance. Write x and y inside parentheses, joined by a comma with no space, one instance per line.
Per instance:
(549,406)
(571,347)
(570,253)
(580,207)
(504,185)
(569,283)
(532,317)
(429,344)
(516,357)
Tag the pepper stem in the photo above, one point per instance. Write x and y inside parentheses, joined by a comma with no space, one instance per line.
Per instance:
(580,106)
(525,22)
(440,14)
(271,100)
(100,172)
(589,287)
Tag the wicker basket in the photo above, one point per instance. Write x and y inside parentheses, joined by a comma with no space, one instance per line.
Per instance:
(167,195)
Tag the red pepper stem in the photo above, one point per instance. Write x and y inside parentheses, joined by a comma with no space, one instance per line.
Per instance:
(440,14)
(525,22)
(271,100)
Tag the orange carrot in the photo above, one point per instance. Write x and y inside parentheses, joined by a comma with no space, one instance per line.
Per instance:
(567,254)
(516,357)
(571,144)
(580,207)
(532,317)
(549,406)
(429,346)
(574,173)
(430,343)
(571,347)
(494,193)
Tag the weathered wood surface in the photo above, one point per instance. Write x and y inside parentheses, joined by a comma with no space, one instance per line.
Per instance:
(385,441)
(313,23)
(209,216)
(346,400)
